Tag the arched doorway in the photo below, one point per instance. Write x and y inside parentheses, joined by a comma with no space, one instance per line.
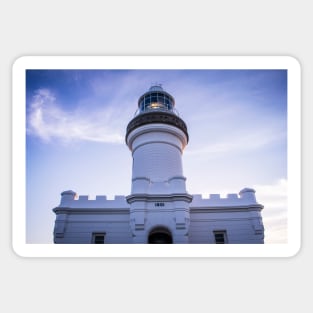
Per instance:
(160,235)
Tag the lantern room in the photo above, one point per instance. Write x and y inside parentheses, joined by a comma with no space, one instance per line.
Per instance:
(156,99)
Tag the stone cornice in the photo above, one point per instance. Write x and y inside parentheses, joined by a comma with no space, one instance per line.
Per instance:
(227,208)
(71,210)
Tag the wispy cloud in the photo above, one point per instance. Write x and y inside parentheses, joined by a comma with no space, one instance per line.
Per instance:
(49,120)
(236,142)
(275,213)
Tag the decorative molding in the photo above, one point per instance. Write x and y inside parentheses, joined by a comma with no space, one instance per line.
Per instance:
(227,208)
(155,197)
(71,210)
(156,117)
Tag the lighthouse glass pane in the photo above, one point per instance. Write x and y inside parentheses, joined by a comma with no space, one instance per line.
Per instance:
(168,103)
(154,97)
(141,105)
(147,101)
(160,98)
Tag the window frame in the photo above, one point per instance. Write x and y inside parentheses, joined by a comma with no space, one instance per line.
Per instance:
(219,232)
(95,235)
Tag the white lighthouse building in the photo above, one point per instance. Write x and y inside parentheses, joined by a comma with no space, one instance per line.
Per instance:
(159,209)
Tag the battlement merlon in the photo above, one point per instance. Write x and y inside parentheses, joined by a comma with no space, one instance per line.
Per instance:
(246,197)
(70,199)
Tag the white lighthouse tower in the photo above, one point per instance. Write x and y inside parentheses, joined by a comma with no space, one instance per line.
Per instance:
(159,202)
(159,208)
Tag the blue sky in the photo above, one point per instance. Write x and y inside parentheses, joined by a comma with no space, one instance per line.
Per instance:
(76,122)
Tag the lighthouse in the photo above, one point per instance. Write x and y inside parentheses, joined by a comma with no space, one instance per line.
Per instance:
(158,210)
(159,202)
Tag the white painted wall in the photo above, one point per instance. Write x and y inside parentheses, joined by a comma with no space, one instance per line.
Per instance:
(239,215)
(157,155)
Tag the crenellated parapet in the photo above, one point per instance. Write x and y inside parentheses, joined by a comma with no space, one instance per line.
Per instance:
(245,198)
(88,215)
(70,200)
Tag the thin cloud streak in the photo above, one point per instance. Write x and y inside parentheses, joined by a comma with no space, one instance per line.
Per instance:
(47,120)
(238,143)
(274,198)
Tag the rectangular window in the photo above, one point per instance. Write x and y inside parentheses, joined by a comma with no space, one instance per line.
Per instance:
(98,238)
(220,236)
(159,204)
